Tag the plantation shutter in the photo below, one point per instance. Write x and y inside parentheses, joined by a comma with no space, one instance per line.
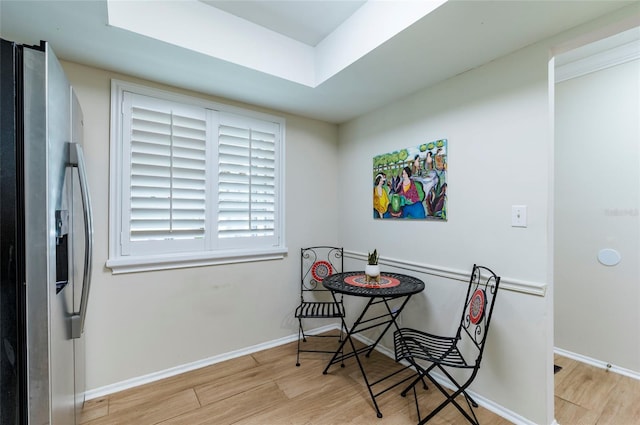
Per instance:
(247,196)
(167,173)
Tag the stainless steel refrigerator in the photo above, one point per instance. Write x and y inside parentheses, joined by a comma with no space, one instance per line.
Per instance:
(46,236)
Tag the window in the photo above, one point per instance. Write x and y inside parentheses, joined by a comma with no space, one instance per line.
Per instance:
(192,182)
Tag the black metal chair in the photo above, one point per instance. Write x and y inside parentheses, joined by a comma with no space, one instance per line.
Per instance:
(446,353)
(316,302)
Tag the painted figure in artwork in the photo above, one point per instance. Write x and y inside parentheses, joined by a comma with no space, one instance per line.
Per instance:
(380,196)
(416,165)
(429,161)
(412,200)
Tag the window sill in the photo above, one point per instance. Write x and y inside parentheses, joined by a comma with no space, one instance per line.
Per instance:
(136,264)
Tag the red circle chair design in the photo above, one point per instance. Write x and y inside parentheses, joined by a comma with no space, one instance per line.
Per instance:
(476,306)
(320,270)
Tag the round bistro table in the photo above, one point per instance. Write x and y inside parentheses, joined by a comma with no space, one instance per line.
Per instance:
(390,286)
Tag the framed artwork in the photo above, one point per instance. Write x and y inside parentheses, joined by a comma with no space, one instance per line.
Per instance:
(411,183)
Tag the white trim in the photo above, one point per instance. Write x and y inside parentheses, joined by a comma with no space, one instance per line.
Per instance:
(599,61)
(548,305)
(167,373)
(177,261)
(530,288)
(119,86)
(597,363)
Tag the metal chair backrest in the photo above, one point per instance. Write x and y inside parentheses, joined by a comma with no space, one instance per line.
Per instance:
(316,263)
(477,312)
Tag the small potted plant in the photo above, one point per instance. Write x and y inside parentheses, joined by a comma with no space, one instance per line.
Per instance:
(372,269)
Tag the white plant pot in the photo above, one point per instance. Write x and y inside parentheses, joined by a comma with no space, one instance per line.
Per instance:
(372,270)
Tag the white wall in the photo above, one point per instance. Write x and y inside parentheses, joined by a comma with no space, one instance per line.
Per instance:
(597,190)
(496,121)
(144,323)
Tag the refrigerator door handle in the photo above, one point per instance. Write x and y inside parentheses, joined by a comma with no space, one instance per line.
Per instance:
(78,318)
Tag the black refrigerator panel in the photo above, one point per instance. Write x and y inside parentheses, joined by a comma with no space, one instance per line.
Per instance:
(12,347)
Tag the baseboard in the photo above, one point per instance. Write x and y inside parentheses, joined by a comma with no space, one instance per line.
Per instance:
(597,363)
(156,376)
(167,373)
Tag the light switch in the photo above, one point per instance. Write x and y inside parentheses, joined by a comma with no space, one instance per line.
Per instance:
(518,216)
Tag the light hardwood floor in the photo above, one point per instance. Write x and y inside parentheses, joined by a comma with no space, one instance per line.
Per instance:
(587,395)
(266,388)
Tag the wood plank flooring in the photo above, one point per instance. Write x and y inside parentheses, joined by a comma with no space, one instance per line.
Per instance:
(587,395)
(266,388)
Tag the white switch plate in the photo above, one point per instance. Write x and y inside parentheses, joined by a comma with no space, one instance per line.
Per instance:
(518,216)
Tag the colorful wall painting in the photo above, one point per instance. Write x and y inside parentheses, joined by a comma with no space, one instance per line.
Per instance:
(411,183)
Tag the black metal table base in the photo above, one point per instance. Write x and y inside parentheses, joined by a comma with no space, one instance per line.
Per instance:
(387,320)
(396,287)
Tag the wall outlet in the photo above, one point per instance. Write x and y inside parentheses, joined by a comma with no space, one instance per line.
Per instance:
(518,216)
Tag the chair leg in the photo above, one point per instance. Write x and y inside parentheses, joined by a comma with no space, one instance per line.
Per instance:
(343,332)
(450,398)
(300,335)
(419,378)
(301,331)
(415,398)
(463,390)
(470,400)
(420,372)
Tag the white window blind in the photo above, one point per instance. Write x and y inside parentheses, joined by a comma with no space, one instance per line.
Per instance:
(246,178)
(194,183)
(168,174)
